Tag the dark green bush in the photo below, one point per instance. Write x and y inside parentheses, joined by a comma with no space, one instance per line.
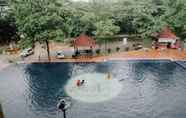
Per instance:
(127,49)
(1,50)
(109,50)
(98,51)
(117,49)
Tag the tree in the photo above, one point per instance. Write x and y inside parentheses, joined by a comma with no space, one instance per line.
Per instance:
(148,16)
(175,16)
(7,24)
(7,30)
(97,18)
(39,20)
(106,28)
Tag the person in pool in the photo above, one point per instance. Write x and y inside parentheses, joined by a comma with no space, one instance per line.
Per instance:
(80,83)
(109,76)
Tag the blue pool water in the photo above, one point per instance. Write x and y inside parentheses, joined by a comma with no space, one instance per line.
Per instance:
(151,89)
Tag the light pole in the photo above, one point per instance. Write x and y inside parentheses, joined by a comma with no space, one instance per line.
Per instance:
(1,112)
(63,105)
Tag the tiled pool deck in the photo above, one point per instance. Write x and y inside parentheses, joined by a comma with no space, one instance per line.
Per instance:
(151,54)
(173,55)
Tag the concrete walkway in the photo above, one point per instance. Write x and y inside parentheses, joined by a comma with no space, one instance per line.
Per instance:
(3,62)
(151,54)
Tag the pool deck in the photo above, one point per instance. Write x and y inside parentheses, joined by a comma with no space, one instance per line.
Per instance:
(150,54)
(3,63)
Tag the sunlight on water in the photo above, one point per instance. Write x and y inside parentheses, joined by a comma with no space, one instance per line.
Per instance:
(97,88)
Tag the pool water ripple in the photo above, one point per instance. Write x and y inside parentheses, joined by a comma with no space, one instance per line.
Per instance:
(151,89)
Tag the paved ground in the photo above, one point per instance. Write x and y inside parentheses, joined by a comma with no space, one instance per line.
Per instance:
(141,54)
(131,55)
(41,55)
(151,54)
(3,62)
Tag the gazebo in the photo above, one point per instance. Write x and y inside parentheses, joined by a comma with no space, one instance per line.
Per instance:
(167,36)
(83,44)
(167,39)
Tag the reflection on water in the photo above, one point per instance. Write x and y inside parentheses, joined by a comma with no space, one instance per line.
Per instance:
(151,89)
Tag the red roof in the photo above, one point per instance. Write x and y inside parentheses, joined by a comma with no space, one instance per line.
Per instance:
(167,33)
(84,41)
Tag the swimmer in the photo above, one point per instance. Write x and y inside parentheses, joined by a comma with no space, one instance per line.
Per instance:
(78,83)
(82,82)
(109,76)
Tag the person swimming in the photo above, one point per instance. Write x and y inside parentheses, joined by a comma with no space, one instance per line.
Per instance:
(109,76)
(80,83)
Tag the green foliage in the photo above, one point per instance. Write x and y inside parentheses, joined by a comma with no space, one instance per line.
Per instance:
(7,30)
(1,50)
(7,23)
(175,16)
(40,20)
(149,16)
(25,43)
(106,28)
(97,18)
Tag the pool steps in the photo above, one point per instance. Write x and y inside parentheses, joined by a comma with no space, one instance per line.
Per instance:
(181,63)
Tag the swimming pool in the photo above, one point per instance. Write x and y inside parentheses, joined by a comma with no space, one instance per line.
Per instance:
(150,89)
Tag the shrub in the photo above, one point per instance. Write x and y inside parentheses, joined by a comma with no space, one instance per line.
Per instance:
(98,51)
(109,50)
(118,49)
(127,49)
(1,51)
(134,45)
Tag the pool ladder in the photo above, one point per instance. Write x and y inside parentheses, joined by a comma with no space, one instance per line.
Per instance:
(181,63)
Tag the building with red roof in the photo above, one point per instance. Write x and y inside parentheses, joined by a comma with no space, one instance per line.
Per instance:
(167,39)
(83,45)
(167,36)
(84,41)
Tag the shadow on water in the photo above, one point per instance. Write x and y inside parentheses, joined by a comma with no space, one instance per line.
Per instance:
(45,83)
(103,67)
(163,72)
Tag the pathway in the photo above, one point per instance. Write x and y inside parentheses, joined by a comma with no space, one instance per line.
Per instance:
(131,55)
(3,62)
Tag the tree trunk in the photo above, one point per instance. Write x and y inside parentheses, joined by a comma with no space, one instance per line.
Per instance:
(48,50)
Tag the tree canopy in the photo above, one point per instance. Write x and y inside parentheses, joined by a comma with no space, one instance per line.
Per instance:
(38,20)
(7,23)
